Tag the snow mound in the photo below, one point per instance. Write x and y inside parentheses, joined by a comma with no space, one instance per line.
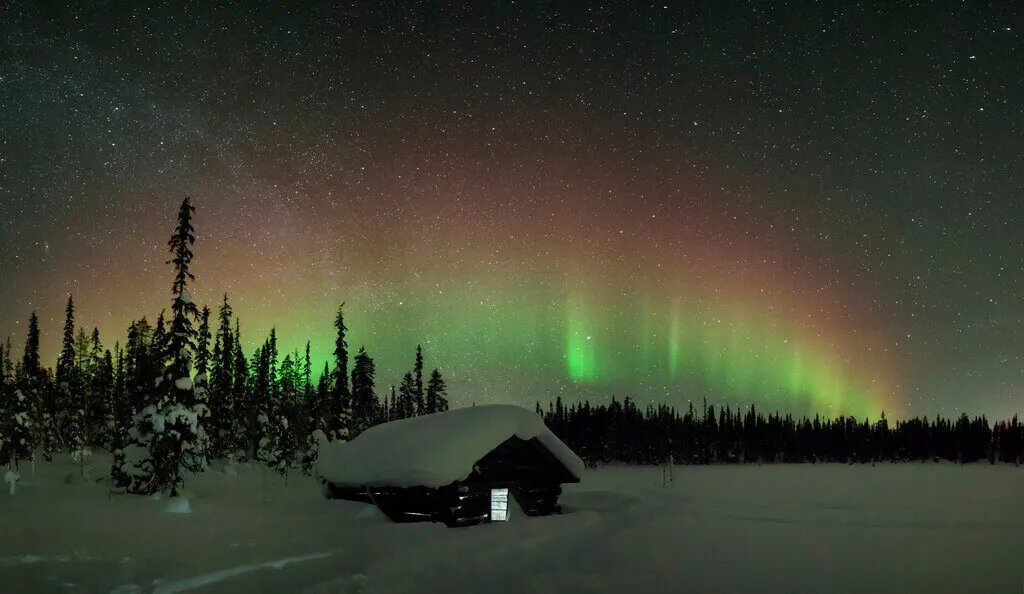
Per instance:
(184,383)
(11,477)
(435,450)
(178,505)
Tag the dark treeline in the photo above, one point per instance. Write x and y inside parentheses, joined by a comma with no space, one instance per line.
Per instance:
(180,392)
(620,432)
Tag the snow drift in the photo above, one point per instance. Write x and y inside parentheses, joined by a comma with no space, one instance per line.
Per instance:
(435,450)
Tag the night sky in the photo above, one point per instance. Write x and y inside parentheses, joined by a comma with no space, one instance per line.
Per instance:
(814,208)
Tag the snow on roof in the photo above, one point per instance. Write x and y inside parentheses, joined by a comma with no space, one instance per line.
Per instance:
(435,450)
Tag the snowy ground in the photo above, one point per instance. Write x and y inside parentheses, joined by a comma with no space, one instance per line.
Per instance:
(904,528)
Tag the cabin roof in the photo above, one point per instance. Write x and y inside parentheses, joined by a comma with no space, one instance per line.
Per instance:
(436,450)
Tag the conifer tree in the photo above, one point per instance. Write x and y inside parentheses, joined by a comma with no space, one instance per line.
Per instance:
(82,349)
(340,403)
(38,393)
(406,397)
(167,436)
(66,408)
(66,360)
(253,406)
(30,366)
(118,387)
(318,422)
(102,396)
(307,374)
(319,405)
(262,402)
(221,386)
(238,403)
(158,345)
(99,379)
(15,427)
(273,380)
(281,440)
(200,453)
(95,351)
(6,367)
(437,393)
(364,399)
(203,346)
(418,395)
(135,381)
(15,421)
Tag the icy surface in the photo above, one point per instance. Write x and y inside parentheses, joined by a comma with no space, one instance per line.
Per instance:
(723,529)
(435,450)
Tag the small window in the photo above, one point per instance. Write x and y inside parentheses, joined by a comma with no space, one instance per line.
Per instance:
(499,505)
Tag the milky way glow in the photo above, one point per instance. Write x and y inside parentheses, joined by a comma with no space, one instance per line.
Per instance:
(669,202)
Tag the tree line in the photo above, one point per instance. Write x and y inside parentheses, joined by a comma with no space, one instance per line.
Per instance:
(620,432)
(181,392)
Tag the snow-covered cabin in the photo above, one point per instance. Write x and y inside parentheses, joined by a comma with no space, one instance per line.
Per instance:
(459,467)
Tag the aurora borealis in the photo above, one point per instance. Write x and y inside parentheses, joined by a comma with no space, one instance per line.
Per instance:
(811,209)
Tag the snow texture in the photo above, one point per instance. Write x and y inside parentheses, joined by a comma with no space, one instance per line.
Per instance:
(435,450)
(178,505)
(11,477)
(184,383)
(219,576)
(748,529)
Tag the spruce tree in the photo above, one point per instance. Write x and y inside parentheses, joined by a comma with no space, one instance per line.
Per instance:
(273,379)
(168,436)
(318,420)
(34,397)
(262,402)
(281,439)
(158,346)
(406,397)
(66,408)
(66,359)
(238,402)
(82,348)
(135,381)
(6,367)
(102,396)
(199,454)
(437,393)
(30,366)
(15,427)
(221,383)
(319,405)
(418,395)
(15,421)
(340,409)
(99,383)
(307,374)
(41,395)
(364,399)
(203,346)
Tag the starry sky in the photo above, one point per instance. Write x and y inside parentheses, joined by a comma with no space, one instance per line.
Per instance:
(814,207)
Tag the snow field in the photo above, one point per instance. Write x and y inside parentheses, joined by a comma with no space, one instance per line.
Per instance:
(786,528)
